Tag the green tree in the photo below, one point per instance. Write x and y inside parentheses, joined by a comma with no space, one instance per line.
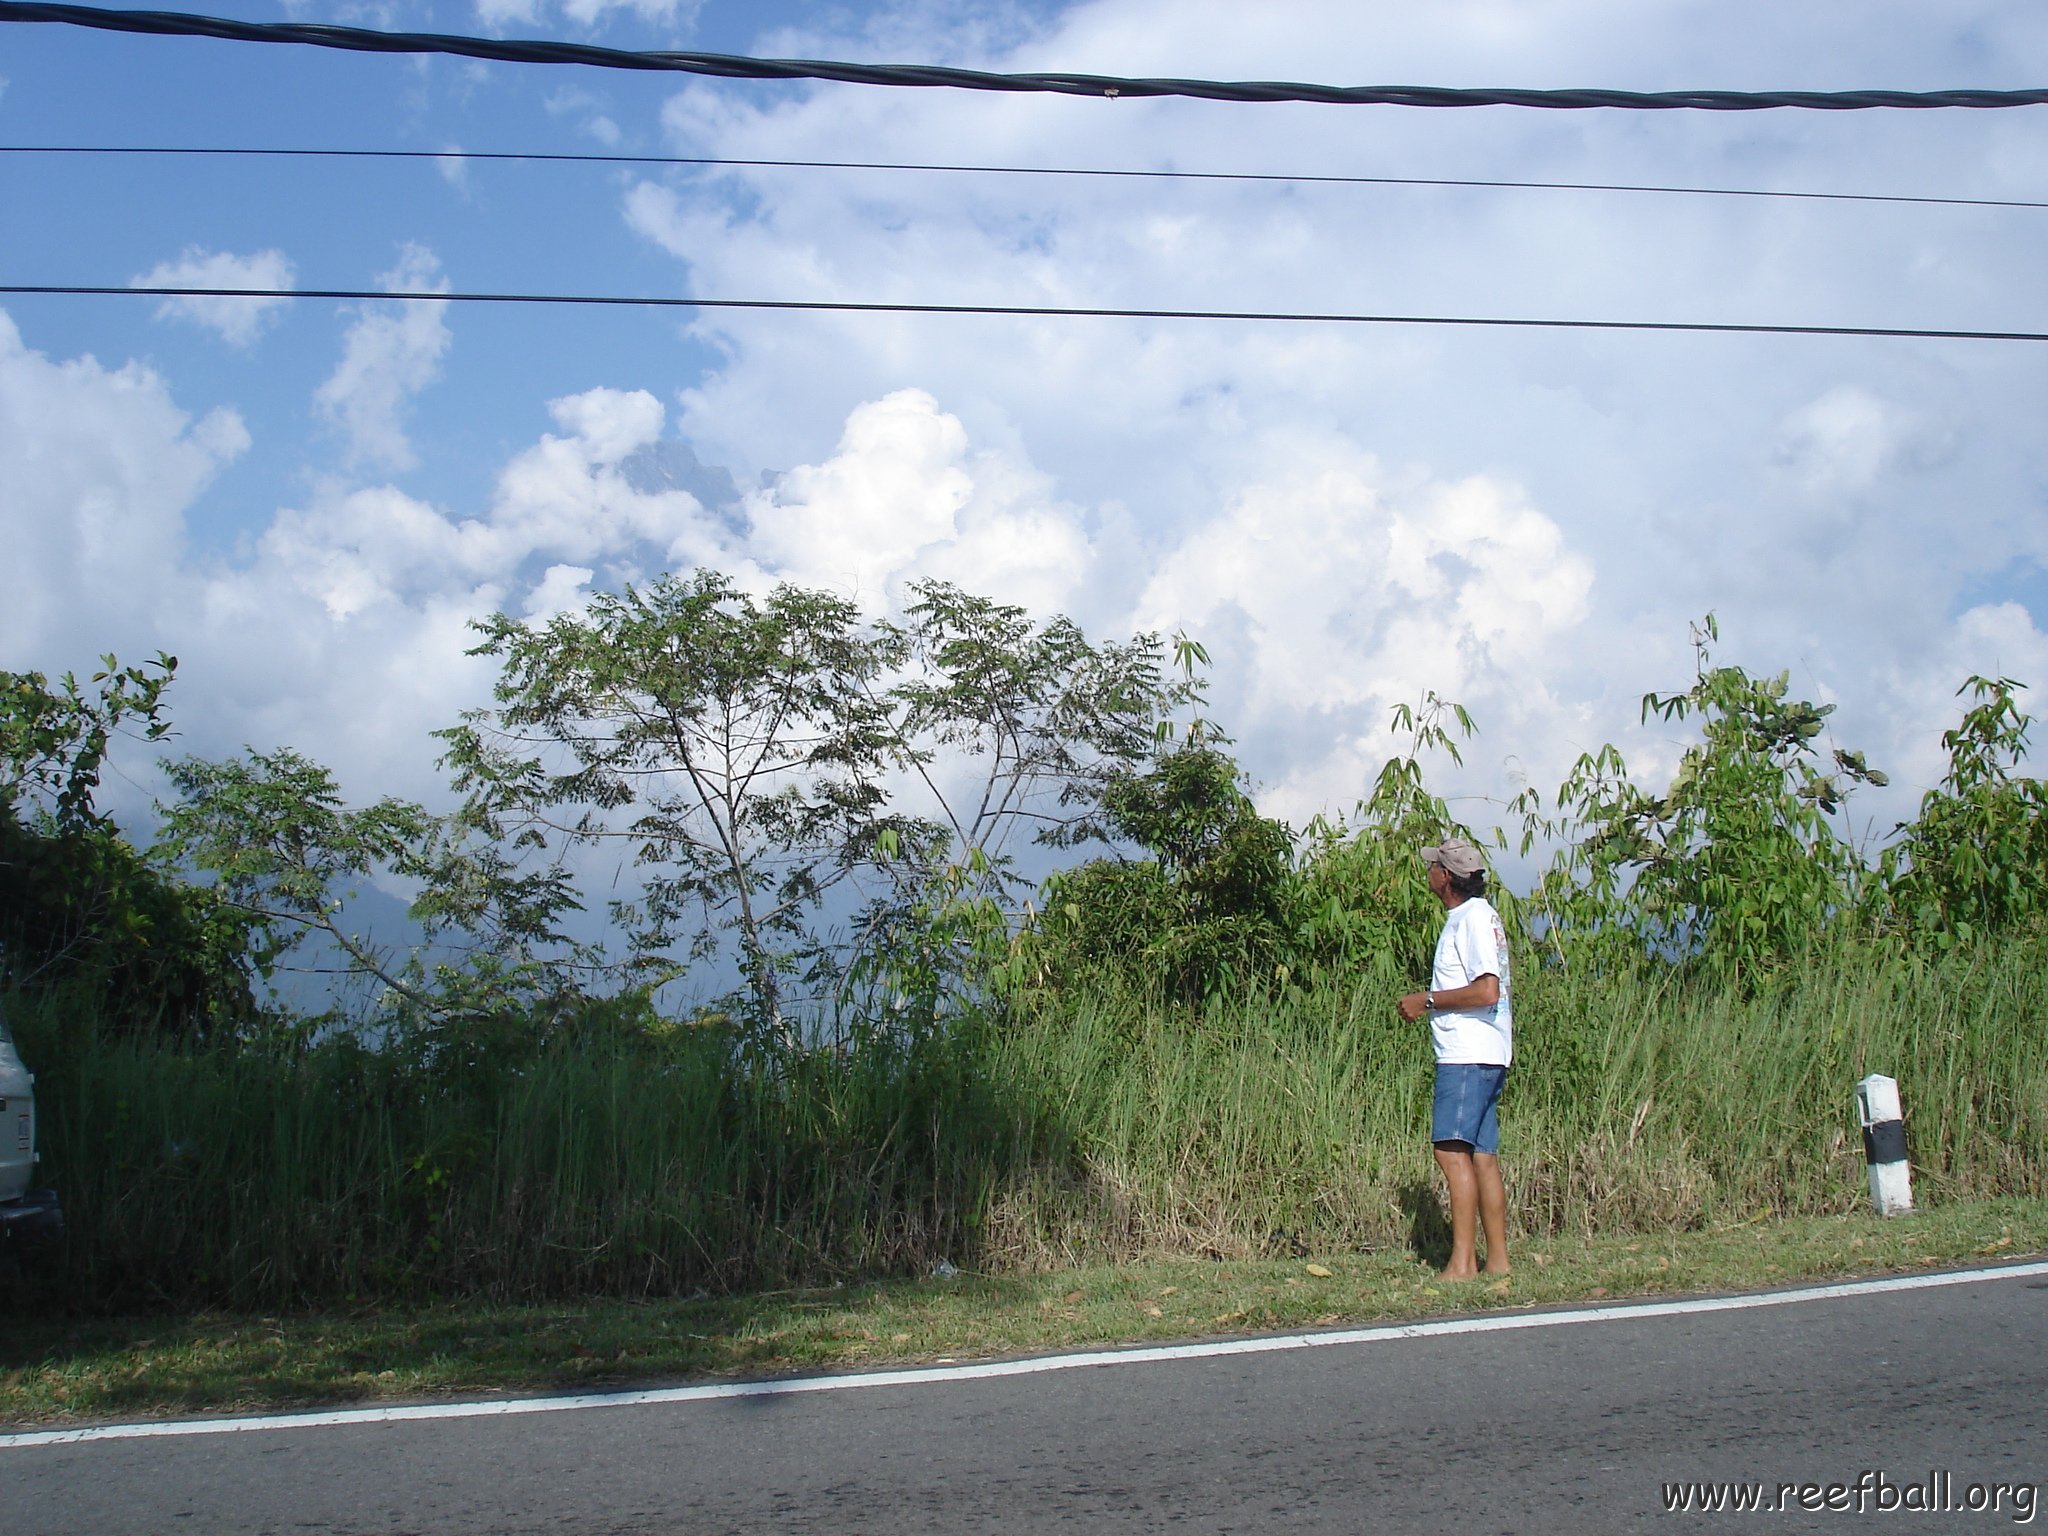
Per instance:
(1362,892)
(271,832)
(1027,723)
(1976,858)
(1210,906)
(735,743)
(54,741)
(1738,860)
(493,970)
(79,905)
(1010,726)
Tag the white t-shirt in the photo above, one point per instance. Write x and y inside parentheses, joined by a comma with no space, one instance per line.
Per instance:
(1473,944)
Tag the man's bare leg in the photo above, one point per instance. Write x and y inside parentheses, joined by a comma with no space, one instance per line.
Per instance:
(1455,1158)
(1493,1210)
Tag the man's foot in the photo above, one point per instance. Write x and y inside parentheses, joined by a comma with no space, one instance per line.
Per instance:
(1463,1272)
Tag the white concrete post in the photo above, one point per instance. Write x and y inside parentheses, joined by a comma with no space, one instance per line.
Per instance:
(1884,1145)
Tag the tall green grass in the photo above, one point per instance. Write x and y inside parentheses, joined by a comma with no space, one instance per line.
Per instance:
(1097,1129)
(623,1167)
(1637,1102)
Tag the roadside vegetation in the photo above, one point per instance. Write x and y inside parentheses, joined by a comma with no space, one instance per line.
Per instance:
(1180,1049)
(58,1370)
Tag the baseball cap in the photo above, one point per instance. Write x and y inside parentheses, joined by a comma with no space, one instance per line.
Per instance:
(1456,855)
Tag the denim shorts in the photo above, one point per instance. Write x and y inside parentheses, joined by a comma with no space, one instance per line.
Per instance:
(1466,1093)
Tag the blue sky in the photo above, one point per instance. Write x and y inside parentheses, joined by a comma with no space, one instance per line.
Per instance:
(307,502)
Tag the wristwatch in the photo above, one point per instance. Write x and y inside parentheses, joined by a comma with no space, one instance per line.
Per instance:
(1429,1002)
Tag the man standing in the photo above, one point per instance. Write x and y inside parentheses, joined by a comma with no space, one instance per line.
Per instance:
(1471,1027)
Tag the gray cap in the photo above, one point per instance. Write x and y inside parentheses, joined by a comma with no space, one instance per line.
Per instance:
(1455,855)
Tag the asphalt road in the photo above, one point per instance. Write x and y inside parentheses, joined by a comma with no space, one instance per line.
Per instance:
(1573,1428)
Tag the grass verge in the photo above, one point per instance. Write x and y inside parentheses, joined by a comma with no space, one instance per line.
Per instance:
(60,1372)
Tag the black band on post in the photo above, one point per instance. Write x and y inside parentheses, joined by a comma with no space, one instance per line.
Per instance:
(1885,1142)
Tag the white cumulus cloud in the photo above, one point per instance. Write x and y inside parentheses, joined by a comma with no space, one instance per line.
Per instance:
(589,110)
(390,354)
(1333,595)
(100,466)
(453,165)
(906,496)
(238,321)
(1850,438)
(1300,496)
(1347,515)
(573,497)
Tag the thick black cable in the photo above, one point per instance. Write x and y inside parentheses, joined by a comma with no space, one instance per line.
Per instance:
(735,67)
(1023,311)
(713,162)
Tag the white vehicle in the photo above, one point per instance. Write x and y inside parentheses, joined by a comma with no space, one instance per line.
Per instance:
(24,1212)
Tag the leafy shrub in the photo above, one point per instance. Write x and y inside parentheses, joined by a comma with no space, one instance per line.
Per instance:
(80,908)
(1976,859)
(1212,903)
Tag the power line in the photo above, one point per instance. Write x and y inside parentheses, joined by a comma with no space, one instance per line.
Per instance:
(1026,311)
(735,67)
(717,162)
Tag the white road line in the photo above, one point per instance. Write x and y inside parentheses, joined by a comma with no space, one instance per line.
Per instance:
(933,1375)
